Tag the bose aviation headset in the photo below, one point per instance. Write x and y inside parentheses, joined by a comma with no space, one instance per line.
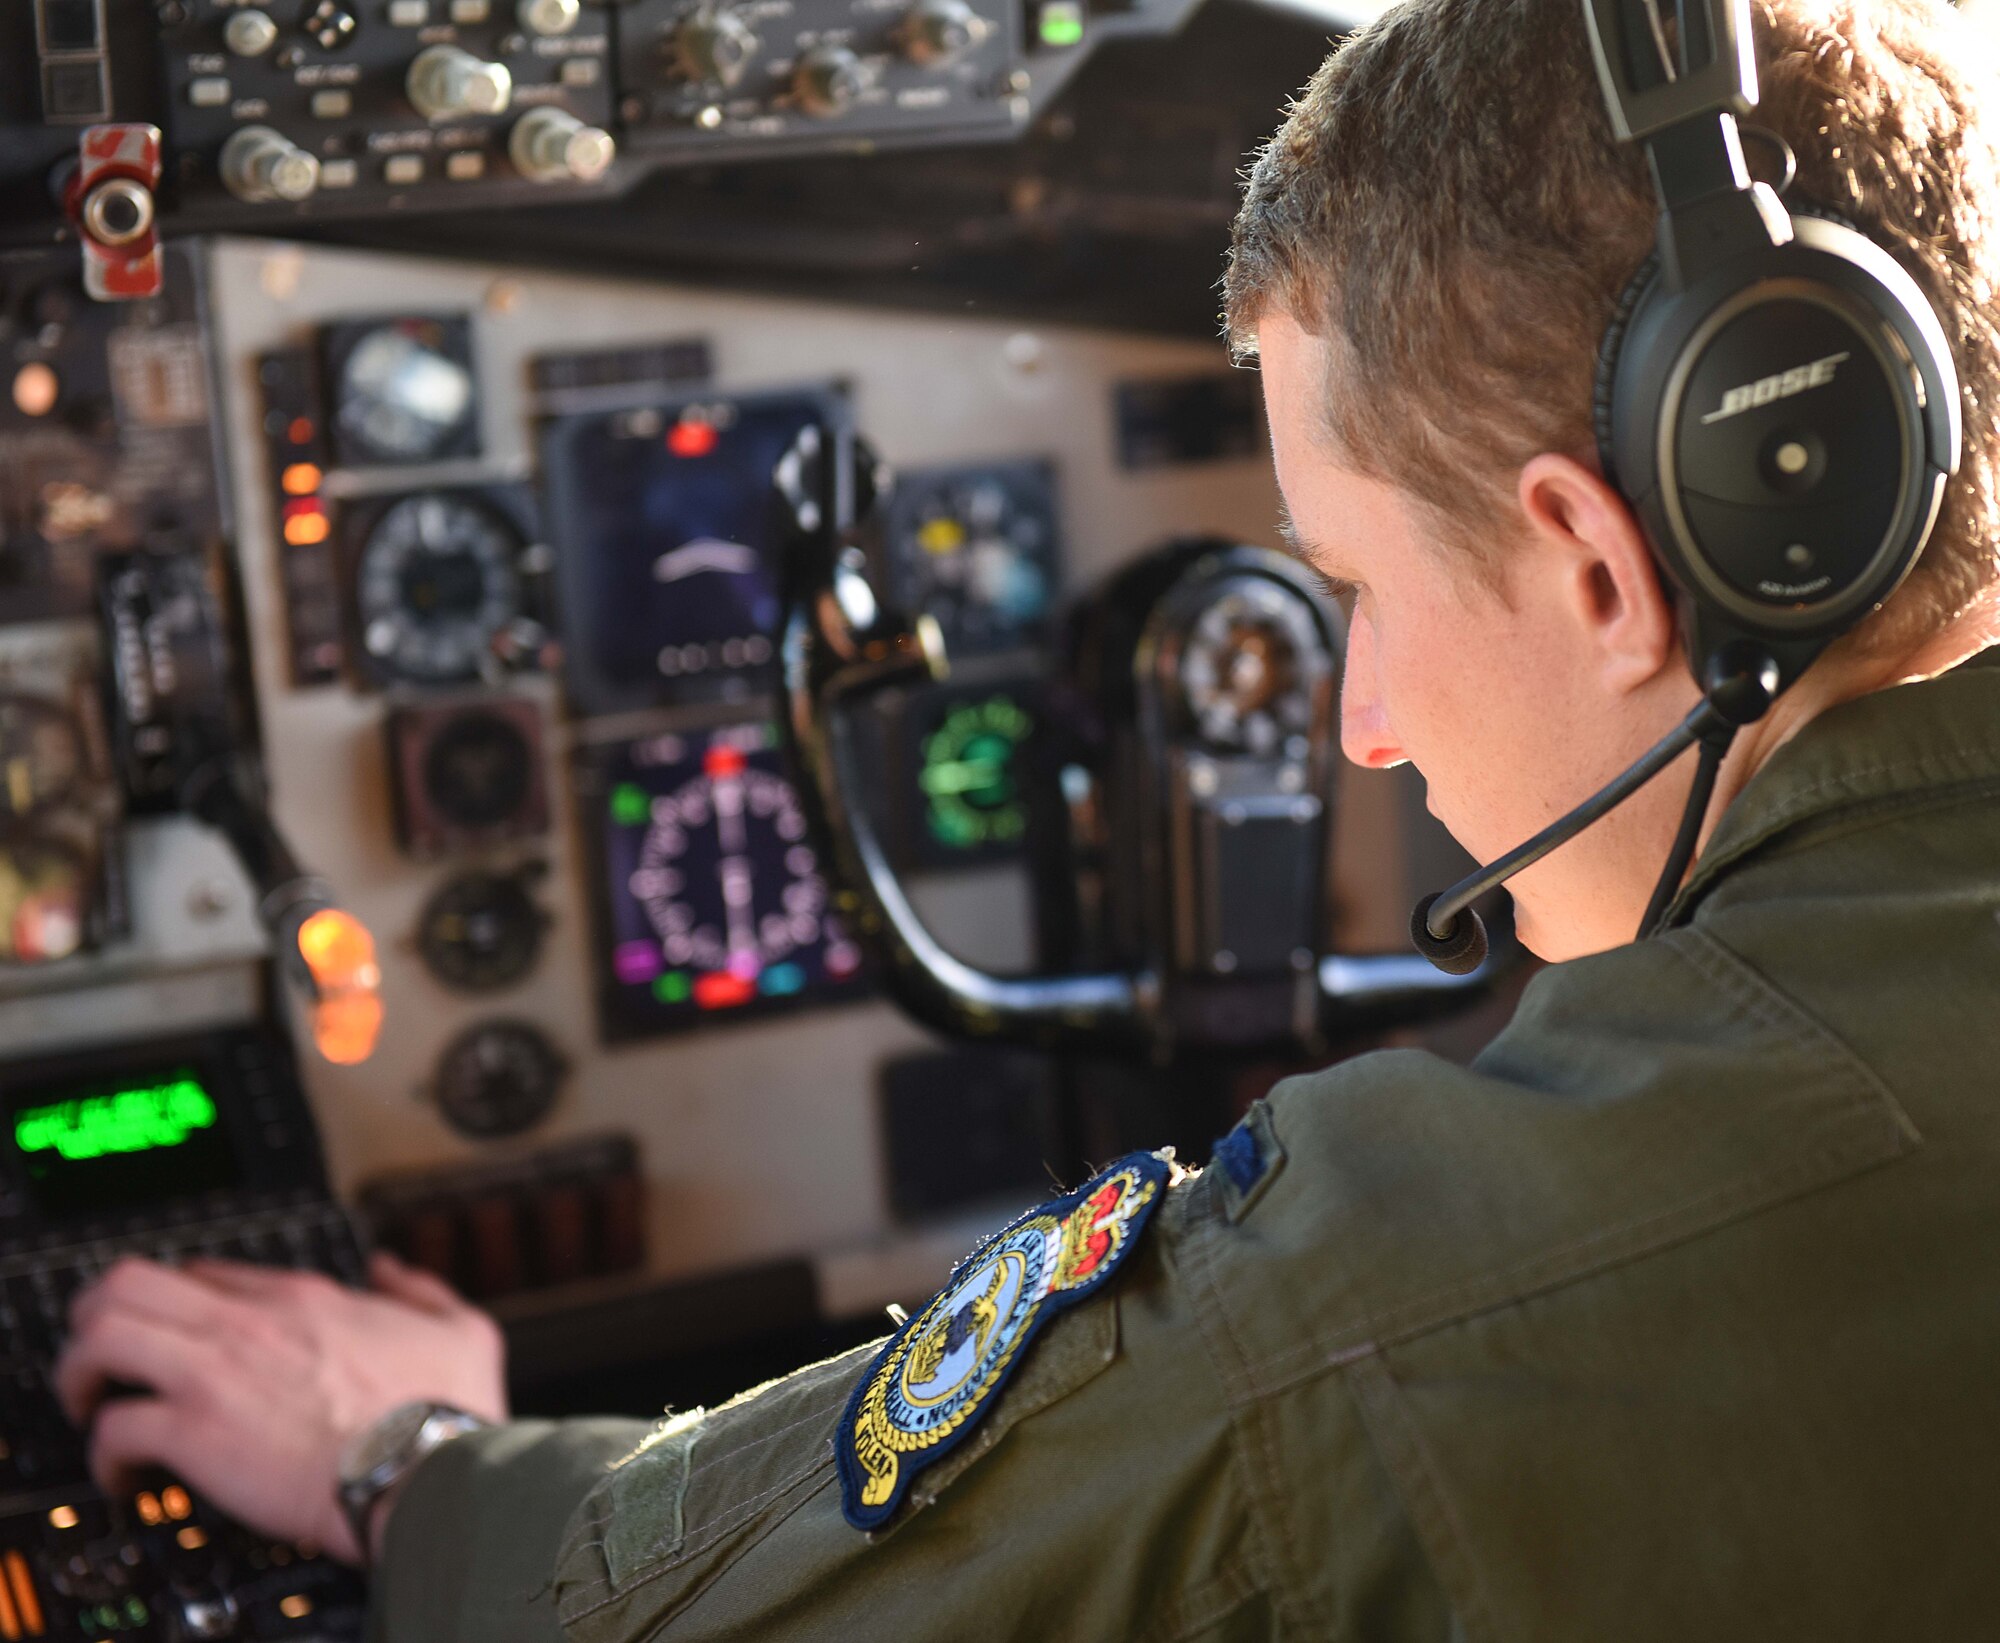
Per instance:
(1775,398)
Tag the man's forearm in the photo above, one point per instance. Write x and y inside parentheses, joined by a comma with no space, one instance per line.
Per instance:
(466,1544)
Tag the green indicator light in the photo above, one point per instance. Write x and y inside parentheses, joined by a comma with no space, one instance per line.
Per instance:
(1060,23)
(631,805)
(673,988)
(96,1126)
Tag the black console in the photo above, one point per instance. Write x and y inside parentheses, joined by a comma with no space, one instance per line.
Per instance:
(171,1149)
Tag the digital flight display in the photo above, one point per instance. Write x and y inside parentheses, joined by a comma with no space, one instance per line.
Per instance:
(971,787)
(120,1145)
(712,900)
(672,522)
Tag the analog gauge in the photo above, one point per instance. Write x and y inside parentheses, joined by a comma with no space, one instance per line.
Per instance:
(403,392)
(498,1078)
(481,932)
(436,585)
(975,548)
(41,755)
(1252,662)
(968,771)
(478,771)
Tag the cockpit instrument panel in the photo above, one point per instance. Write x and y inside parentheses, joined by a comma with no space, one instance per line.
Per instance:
(105,438)
(670,523)
(712,903)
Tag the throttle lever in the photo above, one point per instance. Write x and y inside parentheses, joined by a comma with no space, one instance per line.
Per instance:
(174,739)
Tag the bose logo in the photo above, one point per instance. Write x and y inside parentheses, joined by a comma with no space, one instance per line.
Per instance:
(1782,386)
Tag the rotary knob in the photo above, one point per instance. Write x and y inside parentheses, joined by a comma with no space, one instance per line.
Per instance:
(249,33)
(715,48)
(549,145)
(938,32)
(549,17)
(829,79)
(262,166)
(446,83)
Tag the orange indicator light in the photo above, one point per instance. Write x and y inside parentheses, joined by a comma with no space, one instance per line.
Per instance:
(347,1013)
(10,1615)
(63,1517)
(175,1503)
(307,530)
(295,1607)
(26,1600)
(300,479)
(148,1508)
(191,1538)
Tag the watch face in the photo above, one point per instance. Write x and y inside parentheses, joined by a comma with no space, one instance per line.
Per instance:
(383,1443)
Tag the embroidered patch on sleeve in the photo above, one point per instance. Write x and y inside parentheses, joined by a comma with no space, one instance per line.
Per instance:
(1248,1158)
(939,1373)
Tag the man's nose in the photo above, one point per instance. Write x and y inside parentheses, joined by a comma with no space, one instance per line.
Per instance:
(1365,736)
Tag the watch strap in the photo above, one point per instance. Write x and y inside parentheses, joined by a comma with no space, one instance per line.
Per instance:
(359,1493)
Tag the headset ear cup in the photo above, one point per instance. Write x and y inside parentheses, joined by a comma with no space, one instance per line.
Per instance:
(1606,380)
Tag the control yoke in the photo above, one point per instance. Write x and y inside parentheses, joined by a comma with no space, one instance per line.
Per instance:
(1209,807)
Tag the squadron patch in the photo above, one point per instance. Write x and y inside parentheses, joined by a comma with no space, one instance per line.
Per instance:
(937,1375)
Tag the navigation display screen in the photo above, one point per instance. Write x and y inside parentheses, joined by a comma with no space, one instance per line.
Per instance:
(670,524)
(115,1146)
(712,901)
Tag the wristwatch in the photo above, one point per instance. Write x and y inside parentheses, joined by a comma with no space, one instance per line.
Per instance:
(379,1457)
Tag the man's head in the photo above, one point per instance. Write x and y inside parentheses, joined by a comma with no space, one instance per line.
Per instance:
(1426,259)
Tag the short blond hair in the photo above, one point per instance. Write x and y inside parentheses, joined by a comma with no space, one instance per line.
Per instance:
(1446,206)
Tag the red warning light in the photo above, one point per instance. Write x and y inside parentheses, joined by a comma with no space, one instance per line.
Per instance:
(301,430)
(719,990)
(692,438)
(723,761)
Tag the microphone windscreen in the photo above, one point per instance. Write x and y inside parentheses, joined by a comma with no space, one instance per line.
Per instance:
(1460,950)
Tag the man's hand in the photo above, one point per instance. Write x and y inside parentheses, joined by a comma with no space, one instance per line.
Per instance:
(255,1377)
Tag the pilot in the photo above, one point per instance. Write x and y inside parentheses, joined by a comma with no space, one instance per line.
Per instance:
(1675,1314)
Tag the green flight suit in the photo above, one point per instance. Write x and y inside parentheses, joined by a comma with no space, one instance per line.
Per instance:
(1674,1316)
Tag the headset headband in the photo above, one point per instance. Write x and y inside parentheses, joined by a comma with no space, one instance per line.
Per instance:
(1681,98)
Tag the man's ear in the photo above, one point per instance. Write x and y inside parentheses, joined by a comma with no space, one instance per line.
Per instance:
(1609,580)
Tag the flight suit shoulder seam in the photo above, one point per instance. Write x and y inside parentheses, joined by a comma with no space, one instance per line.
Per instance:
(1404,1456)
(1201,1606)
(1964,775)
(1201,1232)
(602,1593)
(1786,1012)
